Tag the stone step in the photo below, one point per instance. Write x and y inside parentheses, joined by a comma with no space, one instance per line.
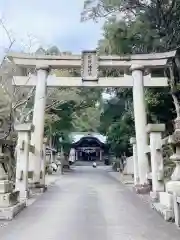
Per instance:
(8,213)
(9,199)
(6,186)
(165,212)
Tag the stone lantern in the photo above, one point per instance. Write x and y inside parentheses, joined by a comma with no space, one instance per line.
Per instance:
(173,186)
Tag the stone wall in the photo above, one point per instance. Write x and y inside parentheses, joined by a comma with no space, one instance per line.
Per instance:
(129,166)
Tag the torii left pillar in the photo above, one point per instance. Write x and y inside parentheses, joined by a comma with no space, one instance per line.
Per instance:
(38,122)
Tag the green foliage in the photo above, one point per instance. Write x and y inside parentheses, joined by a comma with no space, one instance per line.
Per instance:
(119,134)
(53,51)
(113,111)
(62,123)
(117,122)
(75,109)
(66,142)
(160,106)
(144,27)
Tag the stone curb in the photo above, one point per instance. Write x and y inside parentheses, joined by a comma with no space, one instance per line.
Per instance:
(116,175)
(36,196)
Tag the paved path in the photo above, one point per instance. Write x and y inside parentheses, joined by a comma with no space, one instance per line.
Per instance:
(88,204)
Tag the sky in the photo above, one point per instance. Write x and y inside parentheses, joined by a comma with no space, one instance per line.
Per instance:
(38,22)
(34,23)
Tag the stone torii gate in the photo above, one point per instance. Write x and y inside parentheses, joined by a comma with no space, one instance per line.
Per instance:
(143,68)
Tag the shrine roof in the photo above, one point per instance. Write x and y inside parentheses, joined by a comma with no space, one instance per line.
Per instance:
(76,136)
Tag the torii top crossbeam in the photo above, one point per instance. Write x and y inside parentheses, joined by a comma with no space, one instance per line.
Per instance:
(152,60)
(91,63)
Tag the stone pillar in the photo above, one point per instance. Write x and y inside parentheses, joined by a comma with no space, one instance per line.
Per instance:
(59,160)
(157,166)
(135,160)
(72,155)
(38,122)
(100,157)
(140,122)
(76,155)
(176,203)
(43,165)
(173,186)
(3,174)
(22,164)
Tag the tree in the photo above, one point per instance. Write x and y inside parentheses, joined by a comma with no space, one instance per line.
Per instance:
(40,51)
(165,13)
(13,100)
(103,8)
(139,27)
(117,121)
(87,120)
(140,35)
(53,51)
(119,134)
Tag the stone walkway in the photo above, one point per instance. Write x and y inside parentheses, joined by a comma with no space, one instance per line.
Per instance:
(89,204)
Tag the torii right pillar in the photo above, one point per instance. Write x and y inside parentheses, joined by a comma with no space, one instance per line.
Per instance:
(140,123)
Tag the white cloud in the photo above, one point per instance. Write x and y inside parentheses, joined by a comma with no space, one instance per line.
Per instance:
(56,22)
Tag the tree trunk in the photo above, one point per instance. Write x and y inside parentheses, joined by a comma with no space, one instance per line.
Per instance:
(176,104)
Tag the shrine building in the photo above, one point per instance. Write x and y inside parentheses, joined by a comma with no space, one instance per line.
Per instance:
(89,146)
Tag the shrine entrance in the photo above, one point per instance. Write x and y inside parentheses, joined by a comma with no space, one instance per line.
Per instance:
(137,71)
(89,148)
